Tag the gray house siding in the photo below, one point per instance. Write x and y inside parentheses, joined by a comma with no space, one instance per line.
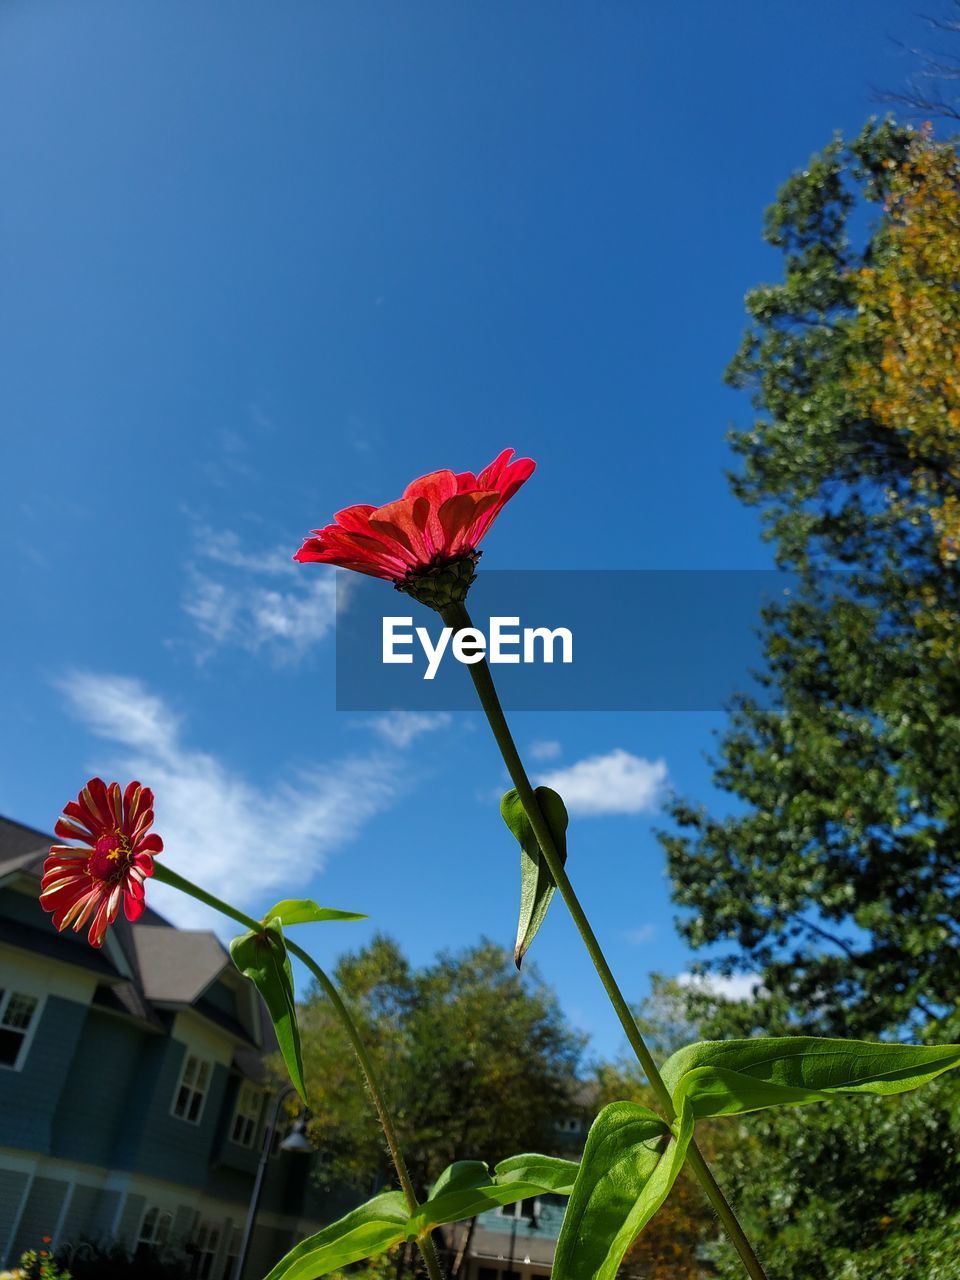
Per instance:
(170,1147)
(41,1213)
(107,1054)
(130,1219)
(100,1220)
(88,1136)
(29,1097)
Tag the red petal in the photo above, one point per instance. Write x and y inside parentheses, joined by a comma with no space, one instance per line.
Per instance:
(106,914)
(437,487)
(458,515)
(377,549)
(94,797)
(71,831)
(131,800)
(489,477)
(353,519)
(405,521)
(115,801)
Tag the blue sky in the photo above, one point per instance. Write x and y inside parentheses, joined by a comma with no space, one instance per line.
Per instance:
(263,261)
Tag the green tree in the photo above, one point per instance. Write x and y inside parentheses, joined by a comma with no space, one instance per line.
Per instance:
(867,1190)
(478,1060)
(834,873)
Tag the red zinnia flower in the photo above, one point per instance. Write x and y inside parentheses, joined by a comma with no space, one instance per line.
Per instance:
(440,520)
(78,883)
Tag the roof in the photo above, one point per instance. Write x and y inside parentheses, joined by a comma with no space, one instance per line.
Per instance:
(21,847)
(160,964)
(177,965)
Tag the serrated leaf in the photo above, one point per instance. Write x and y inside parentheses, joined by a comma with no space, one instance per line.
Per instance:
(306,911)
(630,1162)
(262,957)
(362,1233)
(537,885)
(729,1077)
(467,1187)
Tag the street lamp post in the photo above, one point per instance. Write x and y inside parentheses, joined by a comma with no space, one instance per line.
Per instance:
(296,1141)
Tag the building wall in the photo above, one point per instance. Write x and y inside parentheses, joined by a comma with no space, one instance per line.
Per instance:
(88,1137)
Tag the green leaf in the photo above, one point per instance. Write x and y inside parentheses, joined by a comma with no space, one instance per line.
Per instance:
(630,1162)
(467,1188)
(262,957)
(537,885)
(305,911)
(462,1190)
(729,1077)
(363,1233)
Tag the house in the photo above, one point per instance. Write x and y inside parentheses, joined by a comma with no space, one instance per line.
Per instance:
(135,1104)
(133,1095)
(518,1241)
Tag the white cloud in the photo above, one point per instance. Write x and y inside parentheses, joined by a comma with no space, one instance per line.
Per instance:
(738,987)
(643,934)
(400,728)
(617,782)
(257,600)
(545,750)
(236,837)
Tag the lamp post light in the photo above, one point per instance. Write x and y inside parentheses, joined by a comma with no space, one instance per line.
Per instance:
(295,1141)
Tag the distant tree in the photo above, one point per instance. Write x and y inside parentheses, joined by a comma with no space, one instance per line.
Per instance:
(866,1190)
(932,89)
(674,1244)
(909,312)
(835,875)
(479,1061)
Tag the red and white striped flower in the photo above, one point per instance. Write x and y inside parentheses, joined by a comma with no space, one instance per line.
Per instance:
(115,857)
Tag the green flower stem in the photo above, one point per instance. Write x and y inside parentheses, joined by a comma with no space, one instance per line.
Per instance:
(456,616)
(425,1242)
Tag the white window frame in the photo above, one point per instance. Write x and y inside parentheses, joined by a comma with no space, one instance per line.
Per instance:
(513,1210)
(24,1050)
(161,1213)
(231,1256)
(204,1229)
(188,1057)
(248,1088)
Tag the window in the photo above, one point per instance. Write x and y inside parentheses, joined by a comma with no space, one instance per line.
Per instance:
(523,1209)
(17,1016)
(154,1230)
(205,1250)
(192,1089)
(246,1117)
(233,1254)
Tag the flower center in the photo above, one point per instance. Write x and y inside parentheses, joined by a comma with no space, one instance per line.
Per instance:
(109,859)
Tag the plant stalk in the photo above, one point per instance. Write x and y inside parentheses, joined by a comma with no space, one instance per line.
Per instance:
(457,617)
(425,1242)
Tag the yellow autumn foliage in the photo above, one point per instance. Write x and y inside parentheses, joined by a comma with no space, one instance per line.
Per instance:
(909,310)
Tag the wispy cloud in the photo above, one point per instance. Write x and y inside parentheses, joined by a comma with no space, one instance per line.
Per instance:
(400,728)
(545,749)
(256,600)
(615,783)
(640,936)
(218,827)
(738,987)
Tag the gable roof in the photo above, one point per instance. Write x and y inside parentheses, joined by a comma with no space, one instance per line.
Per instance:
(21,847)
(177,965)
(156,964)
